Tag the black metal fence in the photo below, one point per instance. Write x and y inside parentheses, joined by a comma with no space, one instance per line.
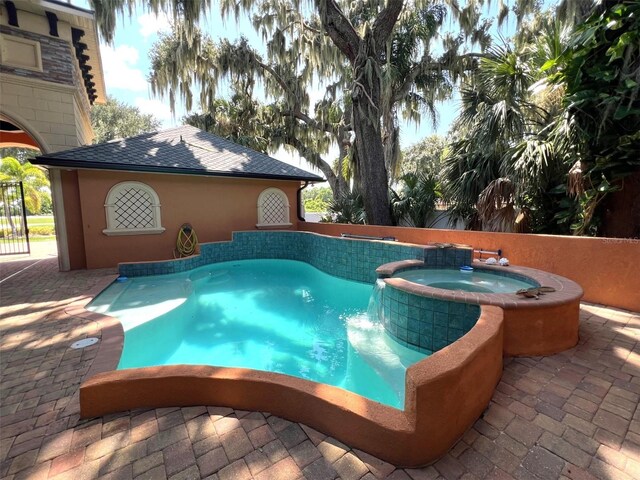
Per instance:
(14,233)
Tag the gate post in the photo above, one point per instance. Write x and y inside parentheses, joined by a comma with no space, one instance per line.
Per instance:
(24,218)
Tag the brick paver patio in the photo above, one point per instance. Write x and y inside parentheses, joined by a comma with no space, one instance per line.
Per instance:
(573,415)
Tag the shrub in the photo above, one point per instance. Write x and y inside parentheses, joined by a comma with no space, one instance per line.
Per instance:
(42,230)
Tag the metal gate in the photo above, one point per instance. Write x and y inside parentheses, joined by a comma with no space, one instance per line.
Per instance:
(14,233)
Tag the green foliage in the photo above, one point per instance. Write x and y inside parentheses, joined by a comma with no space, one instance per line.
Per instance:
(116,119)
(317,199)
(46,207)
(415,202)
(502,170)
(42,230)
(601,72)
(424,156)
(37,231)
(347,208)
(19,153)
(35,182)
(241,120)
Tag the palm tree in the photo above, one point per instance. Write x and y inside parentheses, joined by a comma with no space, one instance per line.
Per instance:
(416,200)
(506,158)
(33,178)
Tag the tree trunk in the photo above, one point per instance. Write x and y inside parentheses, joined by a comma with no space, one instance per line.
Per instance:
(621,211)
(366,126)
(374,184)
(364,53)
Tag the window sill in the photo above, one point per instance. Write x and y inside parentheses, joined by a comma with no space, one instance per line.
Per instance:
(133,231)
(266,226)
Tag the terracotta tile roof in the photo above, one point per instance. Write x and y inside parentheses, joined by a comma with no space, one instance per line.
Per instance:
(183,150)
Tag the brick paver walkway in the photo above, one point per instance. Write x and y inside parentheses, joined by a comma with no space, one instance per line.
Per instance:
(573,415)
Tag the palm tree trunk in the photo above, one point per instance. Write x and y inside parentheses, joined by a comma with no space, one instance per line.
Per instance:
(7,212)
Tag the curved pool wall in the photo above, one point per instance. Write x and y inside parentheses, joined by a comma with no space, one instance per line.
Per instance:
(444,393)
(422,323)
(532,327)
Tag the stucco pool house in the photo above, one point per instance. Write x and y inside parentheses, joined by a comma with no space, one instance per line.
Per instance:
(126,200)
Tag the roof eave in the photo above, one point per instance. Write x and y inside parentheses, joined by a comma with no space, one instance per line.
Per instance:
(56,162)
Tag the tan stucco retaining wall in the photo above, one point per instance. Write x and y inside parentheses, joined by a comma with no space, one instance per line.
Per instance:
(445,394)
(214,206)
(605,268)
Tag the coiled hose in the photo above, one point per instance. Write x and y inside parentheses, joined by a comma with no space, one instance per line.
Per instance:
(187,241)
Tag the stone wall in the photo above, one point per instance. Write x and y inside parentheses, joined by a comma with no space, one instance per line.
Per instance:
(56,55)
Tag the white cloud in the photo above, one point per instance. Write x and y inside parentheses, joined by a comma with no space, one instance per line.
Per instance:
(119,68)
(157,108)
(150,24)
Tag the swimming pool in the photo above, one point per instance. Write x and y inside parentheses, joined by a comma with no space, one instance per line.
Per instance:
(464,334)
(280,316)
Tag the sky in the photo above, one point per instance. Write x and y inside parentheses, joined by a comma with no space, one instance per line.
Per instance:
(126,66)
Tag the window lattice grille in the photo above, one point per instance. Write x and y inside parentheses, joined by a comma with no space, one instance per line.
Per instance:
(274,209)
(133,208)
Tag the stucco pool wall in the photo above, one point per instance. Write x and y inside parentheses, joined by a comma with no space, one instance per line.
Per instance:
(542,326)
(445,394)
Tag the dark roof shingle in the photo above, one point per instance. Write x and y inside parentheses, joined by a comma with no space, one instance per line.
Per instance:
(185,150)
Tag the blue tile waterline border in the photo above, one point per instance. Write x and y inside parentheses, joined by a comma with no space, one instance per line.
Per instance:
(352,259)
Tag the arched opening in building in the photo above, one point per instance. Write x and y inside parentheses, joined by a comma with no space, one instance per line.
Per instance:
(17,147)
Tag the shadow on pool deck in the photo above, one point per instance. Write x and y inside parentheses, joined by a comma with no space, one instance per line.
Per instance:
(574,414)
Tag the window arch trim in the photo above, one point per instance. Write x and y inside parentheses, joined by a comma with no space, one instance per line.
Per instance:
(265,216)
(114,217)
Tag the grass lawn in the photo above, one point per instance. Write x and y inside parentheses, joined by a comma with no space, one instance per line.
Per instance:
(44,220)
(42,238)
(41,227)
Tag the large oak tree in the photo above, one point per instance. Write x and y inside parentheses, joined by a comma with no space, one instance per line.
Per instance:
(376,57)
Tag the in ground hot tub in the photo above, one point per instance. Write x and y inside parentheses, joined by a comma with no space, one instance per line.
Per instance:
(479,281)
(429,308)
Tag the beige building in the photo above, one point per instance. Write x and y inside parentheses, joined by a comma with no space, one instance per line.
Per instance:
(50,75)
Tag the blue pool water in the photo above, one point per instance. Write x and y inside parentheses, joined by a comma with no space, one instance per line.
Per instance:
(476,281)
(277,315)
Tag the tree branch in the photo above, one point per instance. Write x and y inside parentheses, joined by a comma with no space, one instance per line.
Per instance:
(339,28)
(313,158)
(385,21)
(274,74)
(324,126)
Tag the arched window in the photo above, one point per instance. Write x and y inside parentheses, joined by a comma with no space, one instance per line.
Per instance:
(273,209)
(132,208)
